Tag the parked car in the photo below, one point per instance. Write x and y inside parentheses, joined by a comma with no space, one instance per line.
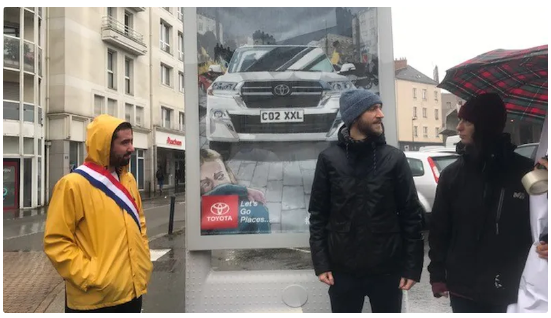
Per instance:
(426,168)
(528,150)
(275,93)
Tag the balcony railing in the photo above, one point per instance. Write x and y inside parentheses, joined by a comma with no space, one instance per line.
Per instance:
(110,23)
(12,47)
(29,56)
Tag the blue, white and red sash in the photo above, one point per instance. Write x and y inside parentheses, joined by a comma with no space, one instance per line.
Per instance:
(102,179)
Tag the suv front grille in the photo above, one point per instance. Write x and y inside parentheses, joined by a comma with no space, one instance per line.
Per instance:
(301,94)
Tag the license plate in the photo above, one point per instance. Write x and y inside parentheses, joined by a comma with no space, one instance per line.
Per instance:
(281,116)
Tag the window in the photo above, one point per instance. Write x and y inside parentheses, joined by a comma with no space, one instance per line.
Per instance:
(129,113)
(111,69)
(449,105)
(416,167)
(181,77)
(181,46)
(424,94)
(11,110)
(165,36)
(435,95)
(128,22)
(167,8)
(182,121)
(436,114)
(139,116)
(28,113)
(165,74)
(414,112)
(181,13)
(11,29)
(415,131)
(137,160)
(425,132)
(415,93)
(98,105)
(424,112)
(40,121)
(128,74)
(111,12)
(437,132)
(112,107)
(166,117)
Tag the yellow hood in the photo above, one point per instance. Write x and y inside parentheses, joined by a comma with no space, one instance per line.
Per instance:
(98,138)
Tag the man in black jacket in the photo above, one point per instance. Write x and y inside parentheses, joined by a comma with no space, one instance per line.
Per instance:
(480,227)
(365,217)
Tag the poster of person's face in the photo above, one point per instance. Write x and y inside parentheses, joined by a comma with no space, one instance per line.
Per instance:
(270,80)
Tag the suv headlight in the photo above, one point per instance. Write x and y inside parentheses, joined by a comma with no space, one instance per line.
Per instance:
(340,85)
(223,86)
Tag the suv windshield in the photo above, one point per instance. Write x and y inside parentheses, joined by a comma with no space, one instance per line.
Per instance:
(280,59)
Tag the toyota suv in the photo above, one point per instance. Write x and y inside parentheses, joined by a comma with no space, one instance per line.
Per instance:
(275,93)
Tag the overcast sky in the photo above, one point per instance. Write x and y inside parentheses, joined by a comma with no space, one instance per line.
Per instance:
(443,36)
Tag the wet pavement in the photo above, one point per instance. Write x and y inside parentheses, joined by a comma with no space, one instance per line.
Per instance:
(30,282)
(32,285)
(418,300)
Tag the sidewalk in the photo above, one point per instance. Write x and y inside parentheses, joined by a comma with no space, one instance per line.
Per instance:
(166,287)
(30,282)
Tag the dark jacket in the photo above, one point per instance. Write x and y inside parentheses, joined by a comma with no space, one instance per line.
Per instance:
(365,216)
(480,227)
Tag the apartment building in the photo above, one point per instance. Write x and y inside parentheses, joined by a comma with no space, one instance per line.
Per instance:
(419,111)
(24,103)
(79,63)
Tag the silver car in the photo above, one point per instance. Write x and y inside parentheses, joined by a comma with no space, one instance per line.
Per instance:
(426,168)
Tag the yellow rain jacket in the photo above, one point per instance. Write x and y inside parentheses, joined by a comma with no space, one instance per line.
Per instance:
(94,244)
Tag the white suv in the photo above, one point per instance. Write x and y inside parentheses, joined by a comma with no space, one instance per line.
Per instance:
(274,93)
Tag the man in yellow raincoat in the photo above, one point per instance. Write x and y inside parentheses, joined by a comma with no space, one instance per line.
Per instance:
(95,232)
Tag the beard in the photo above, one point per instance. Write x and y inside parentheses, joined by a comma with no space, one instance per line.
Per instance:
(118,161)
(370,129)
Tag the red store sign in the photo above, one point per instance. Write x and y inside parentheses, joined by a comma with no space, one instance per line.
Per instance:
(174,142)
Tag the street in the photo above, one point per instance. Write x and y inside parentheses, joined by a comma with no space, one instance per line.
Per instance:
(32,285)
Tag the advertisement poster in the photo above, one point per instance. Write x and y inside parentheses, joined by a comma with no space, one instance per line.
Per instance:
(270,80)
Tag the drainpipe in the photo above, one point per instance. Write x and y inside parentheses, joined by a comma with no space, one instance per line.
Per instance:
(153,154)
(46,110)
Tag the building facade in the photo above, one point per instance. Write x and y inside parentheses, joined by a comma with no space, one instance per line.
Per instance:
(122,61)
(419,110)
(24,101)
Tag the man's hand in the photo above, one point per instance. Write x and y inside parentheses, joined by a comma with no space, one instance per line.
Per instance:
(541,249)
(440,289)
(406,284)
(327,278)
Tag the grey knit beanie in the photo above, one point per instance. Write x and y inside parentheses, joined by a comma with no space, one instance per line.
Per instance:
(353,103)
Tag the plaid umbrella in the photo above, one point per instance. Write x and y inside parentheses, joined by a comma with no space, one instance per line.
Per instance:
(519,76)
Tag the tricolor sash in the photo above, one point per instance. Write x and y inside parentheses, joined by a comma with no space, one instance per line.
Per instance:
(102,179)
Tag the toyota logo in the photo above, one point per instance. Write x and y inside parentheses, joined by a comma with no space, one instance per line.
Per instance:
(282,90)
(219,208)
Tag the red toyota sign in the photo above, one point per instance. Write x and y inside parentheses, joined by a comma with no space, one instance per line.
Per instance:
(219,212)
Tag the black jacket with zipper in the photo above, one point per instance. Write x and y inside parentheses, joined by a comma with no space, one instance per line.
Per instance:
(480,227)
(365,216)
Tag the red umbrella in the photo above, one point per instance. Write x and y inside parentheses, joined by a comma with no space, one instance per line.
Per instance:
(519,76)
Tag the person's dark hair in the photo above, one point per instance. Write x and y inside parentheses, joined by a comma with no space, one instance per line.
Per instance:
(123,126)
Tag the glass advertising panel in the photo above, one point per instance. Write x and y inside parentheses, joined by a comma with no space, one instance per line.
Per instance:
(269,82)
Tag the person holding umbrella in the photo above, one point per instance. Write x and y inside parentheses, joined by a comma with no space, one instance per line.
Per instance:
(480,229)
